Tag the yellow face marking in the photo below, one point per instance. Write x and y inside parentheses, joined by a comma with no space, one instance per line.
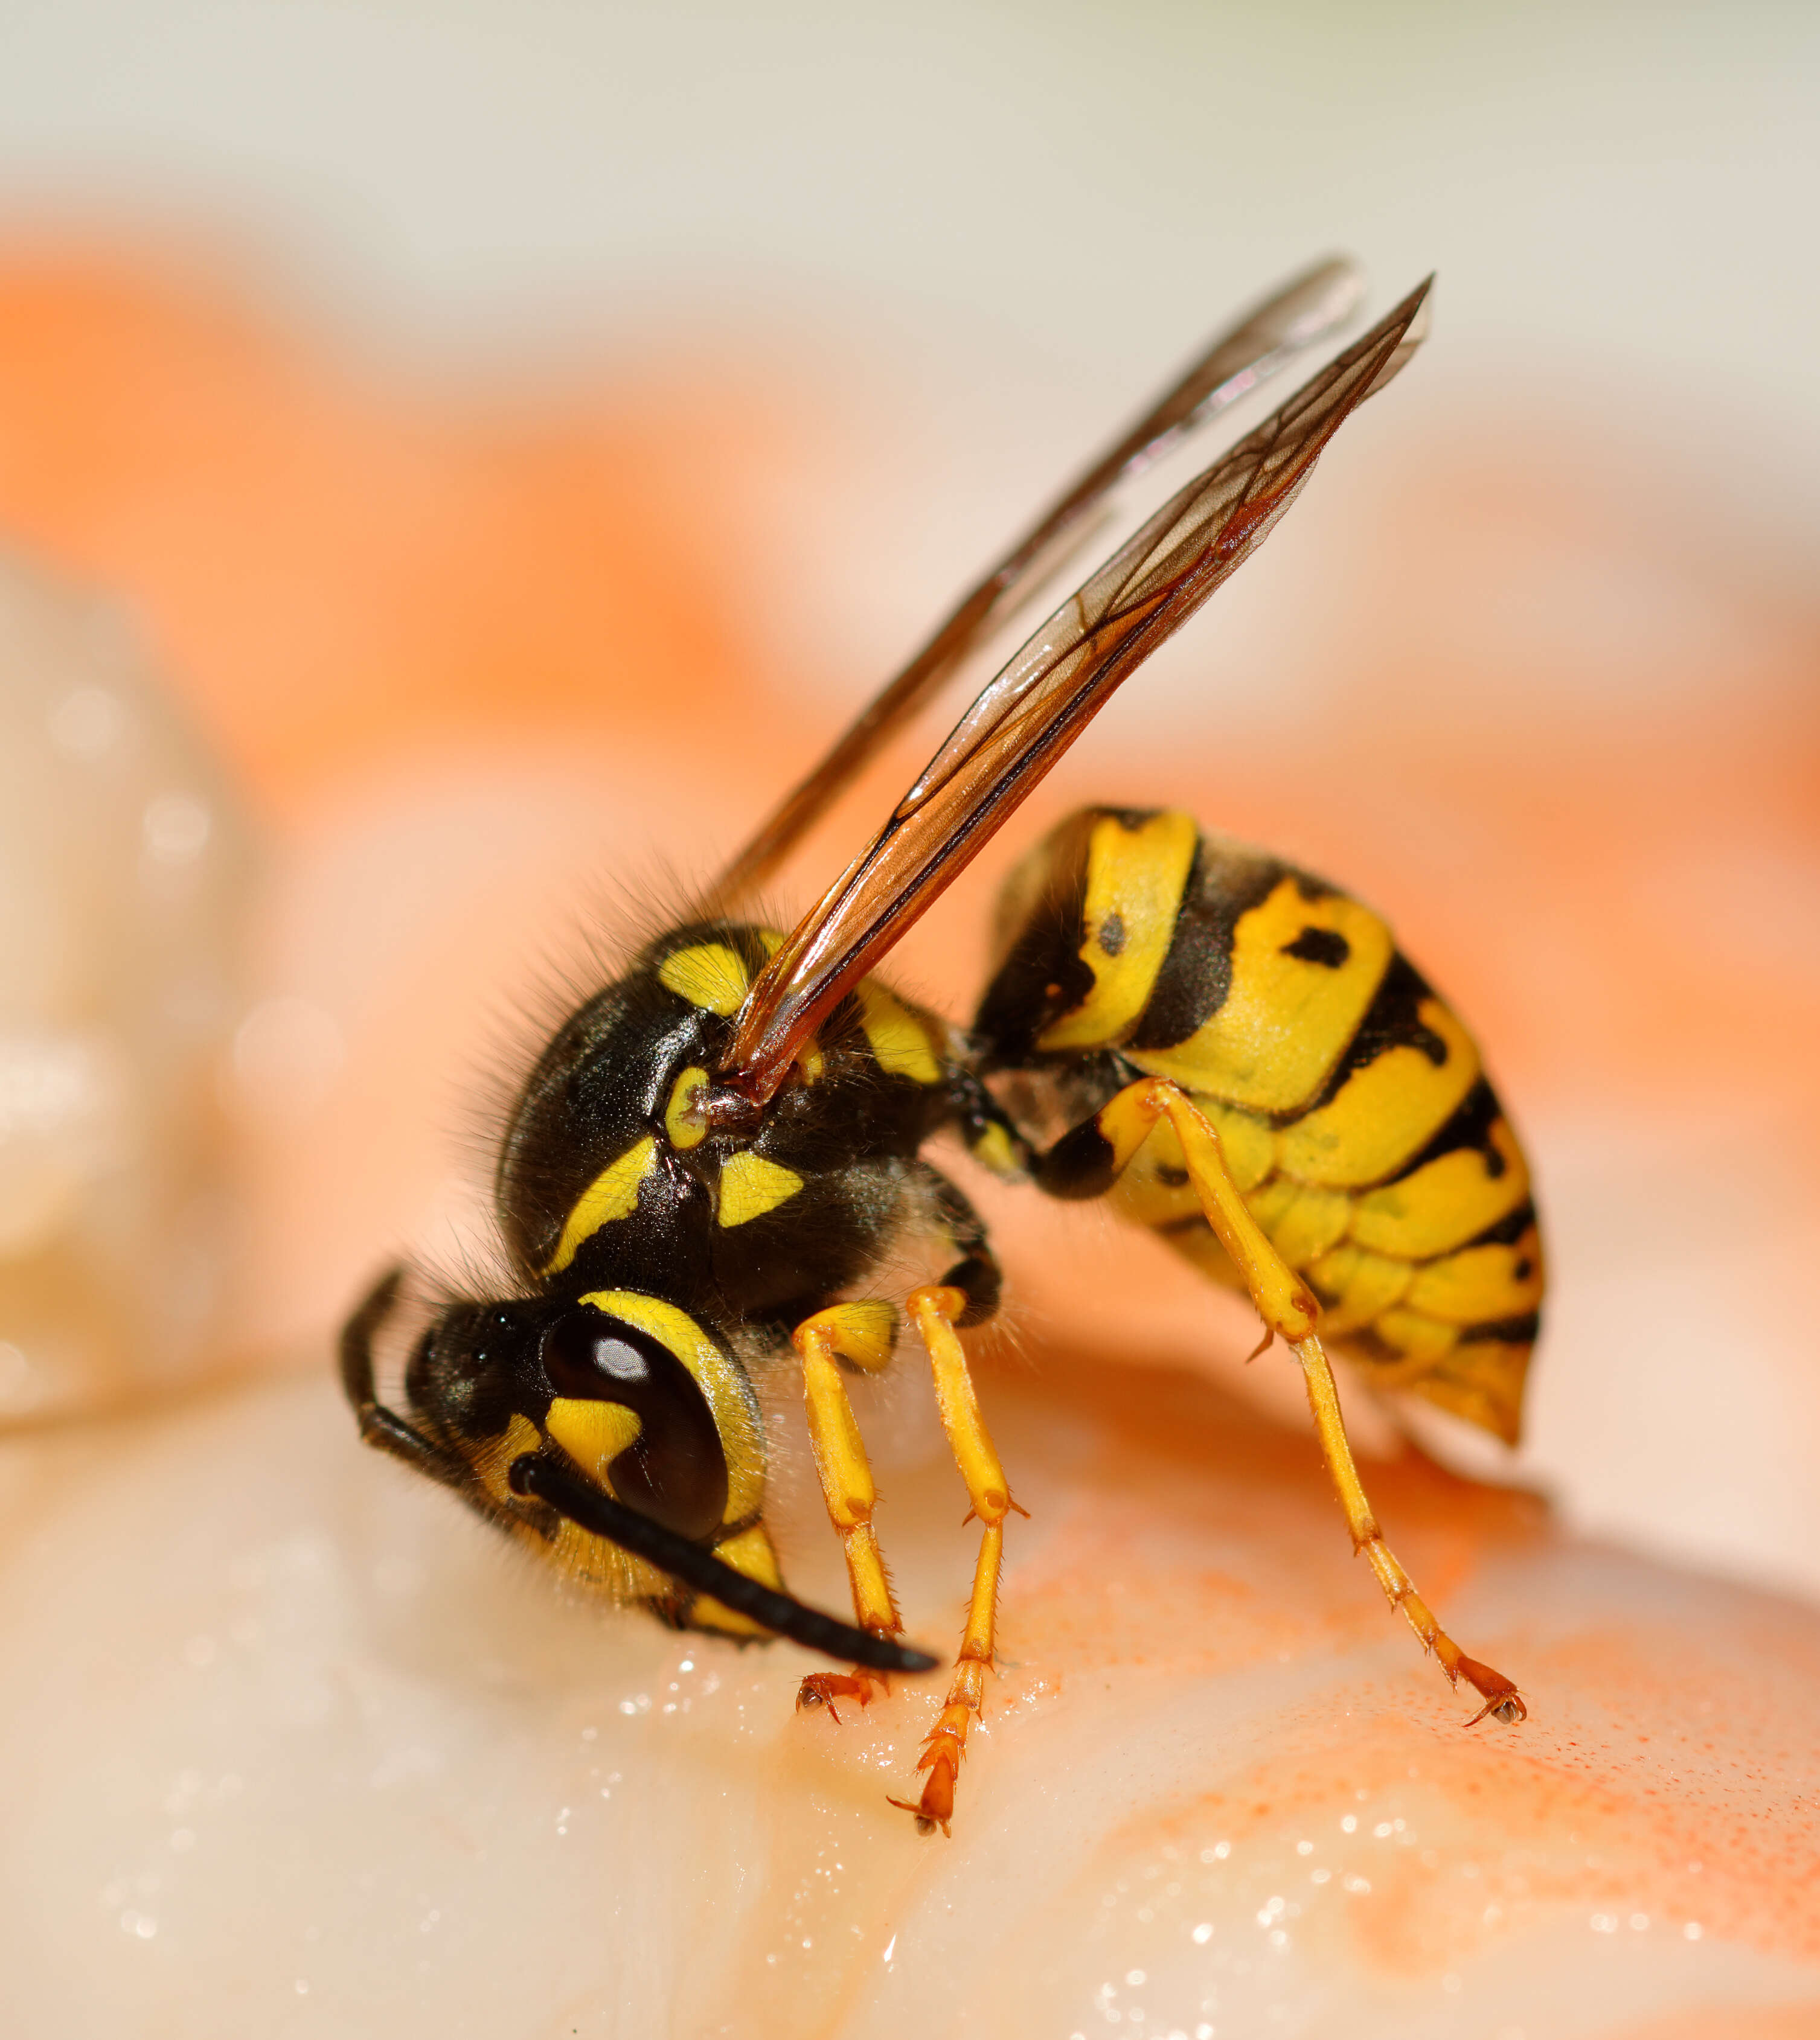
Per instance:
(709,975)
(1363,1284)
(1135,880)
(751,1186)
(592,1433)
(750,1553)
(1302,1223)
(1287,1019)
(898,1038)
(1445,1203)
(723,1381)
(685,1126)
(1385,1111)
(613,1194)
(1480,1285)
(578,1554)
(493,1461)
(594,1561)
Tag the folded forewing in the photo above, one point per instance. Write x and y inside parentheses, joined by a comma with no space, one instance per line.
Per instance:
(1030,713)
(1265,340)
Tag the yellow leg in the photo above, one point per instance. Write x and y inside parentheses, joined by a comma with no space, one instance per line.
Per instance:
(1500,1697)
(860,1334)
(1289,1308)
(1284,1302)
(934,1311)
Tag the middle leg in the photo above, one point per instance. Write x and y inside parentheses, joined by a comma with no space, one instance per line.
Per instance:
(935,1312)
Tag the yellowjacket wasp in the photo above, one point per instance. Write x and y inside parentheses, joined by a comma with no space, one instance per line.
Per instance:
(713,1155)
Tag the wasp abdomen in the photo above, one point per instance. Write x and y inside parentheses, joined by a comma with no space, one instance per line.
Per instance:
(1351,1103)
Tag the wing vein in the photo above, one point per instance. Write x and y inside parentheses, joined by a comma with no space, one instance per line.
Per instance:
(1029,713)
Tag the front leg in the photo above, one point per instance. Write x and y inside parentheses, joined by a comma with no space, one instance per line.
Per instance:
(862,1334)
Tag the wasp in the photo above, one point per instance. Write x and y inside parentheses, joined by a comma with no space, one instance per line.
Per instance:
(719,1152)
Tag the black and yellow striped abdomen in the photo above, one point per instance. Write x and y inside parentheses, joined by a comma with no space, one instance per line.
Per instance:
(1351,1104)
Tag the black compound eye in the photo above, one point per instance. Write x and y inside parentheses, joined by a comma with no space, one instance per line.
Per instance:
(674,1470)
(596,1358)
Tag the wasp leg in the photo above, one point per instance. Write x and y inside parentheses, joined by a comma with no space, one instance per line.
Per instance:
(1502,1701)
(862,1335)
(1085,1162)
(935,1312)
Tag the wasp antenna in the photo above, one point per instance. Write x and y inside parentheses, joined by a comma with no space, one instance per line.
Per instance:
(583,1504)
(357,1354)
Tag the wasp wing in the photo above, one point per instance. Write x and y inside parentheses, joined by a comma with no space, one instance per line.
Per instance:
(1042,700)
(1265,340)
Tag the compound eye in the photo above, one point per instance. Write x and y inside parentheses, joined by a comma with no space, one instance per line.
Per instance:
(674,1469)
(595,1358)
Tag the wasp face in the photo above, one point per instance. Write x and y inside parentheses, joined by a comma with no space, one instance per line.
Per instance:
(579,1382)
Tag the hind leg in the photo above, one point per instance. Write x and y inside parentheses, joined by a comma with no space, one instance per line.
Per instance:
(1087,1161)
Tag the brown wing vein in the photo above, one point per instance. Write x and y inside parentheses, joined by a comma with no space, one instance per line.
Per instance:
(1030,713)
(1265,340)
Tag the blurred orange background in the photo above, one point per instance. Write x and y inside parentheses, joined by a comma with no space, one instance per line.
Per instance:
(486,661)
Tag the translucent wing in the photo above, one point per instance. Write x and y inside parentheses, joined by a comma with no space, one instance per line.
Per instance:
(1042,700)
(1265,340)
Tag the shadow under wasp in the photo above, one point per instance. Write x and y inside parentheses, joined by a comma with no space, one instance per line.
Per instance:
(719,1150)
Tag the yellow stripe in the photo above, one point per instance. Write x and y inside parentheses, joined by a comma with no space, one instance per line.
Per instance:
(1415,1336)
(1385,1111)
(686,1127)
(1362,1284)
(723,1381)
(1302,1223)
(1134,880)
(1445,1203)
(613,1194)
(1480,1285)
(899,1039)
(709,975)
(1285,1021)
(751,1186)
